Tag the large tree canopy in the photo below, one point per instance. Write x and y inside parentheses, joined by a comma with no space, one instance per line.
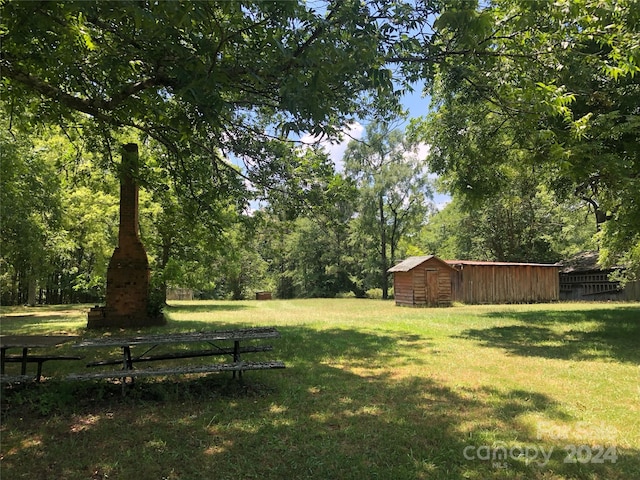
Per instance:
(223,78)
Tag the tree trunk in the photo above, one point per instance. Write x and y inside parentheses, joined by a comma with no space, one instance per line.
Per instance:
(383,250)
(164,261)
(31,295)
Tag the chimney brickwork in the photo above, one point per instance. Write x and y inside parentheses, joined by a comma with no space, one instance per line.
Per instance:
(128,273)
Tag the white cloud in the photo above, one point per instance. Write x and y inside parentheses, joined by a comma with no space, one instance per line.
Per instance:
(336,147)
(422,150)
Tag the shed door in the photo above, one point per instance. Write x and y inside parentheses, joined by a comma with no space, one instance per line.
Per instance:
(431,286)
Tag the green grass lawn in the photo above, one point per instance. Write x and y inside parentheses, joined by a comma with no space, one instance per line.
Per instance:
(370,391)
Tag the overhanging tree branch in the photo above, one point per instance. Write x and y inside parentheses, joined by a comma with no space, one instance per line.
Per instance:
(55,93)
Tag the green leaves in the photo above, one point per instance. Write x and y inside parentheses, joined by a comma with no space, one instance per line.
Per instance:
(197,65)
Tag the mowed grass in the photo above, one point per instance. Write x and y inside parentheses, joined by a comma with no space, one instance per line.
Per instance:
(371,390)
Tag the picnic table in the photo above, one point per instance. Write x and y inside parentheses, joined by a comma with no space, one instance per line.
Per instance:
(25,343)
(149,348)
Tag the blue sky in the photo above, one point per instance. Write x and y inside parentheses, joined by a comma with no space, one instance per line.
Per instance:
(416,103)
(418,106)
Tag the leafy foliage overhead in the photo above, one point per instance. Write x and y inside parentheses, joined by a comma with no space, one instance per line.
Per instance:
(215,77)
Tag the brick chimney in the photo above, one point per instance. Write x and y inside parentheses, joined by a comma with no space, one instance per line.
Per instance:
(128,273)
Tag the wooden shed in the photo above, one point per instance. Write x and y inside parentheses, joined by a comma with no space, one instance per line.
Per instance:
(422,281)
(504,282)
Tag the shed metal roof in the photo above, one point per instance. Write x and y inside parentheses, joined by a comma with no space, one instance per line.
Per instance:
(588,261)
(412,262)
(500,264)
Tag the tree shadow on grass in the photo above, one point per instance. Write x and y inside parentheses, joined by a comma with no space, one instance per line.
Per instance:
(17,317)
(41,324)
(590,334)
(336,411)
(345,426)
(353,347)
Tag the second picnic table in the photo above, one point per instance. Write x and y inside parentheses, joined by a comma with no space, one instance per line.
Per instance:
(219,342)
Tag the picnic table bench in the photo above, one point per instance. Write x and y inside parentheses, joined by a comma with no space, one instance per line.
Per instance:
(220,343)
(27,343)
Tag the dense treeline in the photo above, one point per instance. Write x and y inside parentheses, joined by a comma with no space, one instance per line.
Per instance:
(60,219)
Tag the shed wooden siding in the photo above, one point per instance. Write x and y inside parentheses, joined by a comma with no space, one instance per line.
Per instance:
(596,286)
(426,281)
(501,282)
(403,288)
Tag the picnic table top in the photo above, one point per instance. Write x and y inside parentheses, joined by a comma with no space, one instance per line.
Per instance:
(34,341)
(190,337)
